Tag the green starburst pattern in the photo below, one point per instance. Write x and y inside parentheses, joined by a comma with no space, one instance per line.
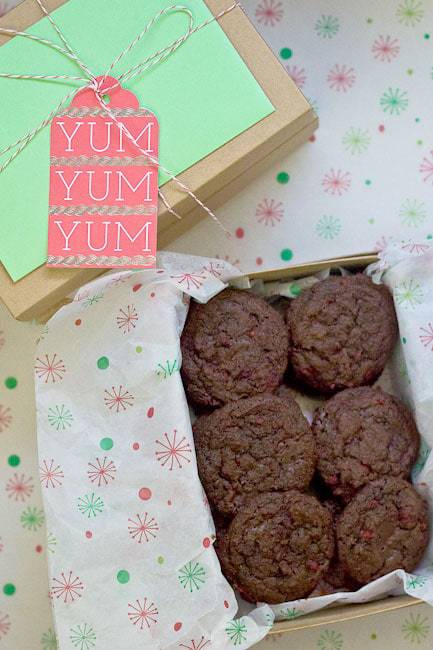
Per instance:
(60,417)
(327,26)
(330,640)
(415,628)
(412,212)
(408,294)
(328,227)
(49,640)
(167,369)
(289,613)
(192,576)
(51,542)
(32,518)
(414,582)
(236,630)
(424,453)
(92,300)
(90,505)
(269,620)
(409,12)
(394,101)
(356,140)
(83,637)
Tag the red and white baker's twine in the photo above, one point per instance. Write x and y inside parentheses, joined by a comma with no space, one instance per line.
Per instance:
(90,81)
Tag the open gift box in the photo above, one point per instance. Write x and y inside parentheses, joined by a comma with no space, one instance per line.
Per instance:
(227,110)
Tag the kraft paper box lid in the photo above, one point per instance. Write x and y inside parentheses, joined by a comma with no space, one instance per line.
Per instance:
(281,120)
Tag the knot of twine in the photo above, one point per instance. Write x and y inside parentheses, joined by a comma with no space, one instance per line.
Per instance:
(89,80)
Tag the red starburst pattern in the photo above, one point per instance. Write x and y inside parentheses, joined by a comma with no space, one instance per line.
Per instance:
(101,472)
(67,588)
(269,212)
(172,451)
(189,280)
(118,399)
(50,368)
(143,527)
(2,546)
(341,78)
(127,319)
(415,249)
(426,168)
(5,418)
(381,244)
(196,645)
(336,182)
(19,487)
(297,75)
(426,337)
(213,269)
(51,474)
(269,12)
(385,48)
(5,622)
(143,614)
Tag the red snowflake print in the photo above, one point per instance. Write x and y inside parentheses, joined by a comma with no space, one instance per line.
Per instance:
(297,75)
(196,645)
(50,369)
(269,212)
(51,474)
(385,48)
(143,527)
(2,337)
(426,168)
(213,269)
(173,451)
(189,280)
(5,418)
(381,244)
(127,319)
(426,337)
(67,588)
(143,614)
(336,182)
(101,472)
(269,12)
(119,399)
(19,487)
(5,622)
(341,78)
(415,249)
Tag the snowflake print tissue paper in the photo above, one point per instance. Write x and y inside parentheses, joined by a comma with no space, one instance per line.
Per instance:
(134,563)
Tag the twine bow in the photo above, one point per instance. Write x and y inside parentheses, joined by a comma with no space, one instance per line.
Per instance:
(89,80)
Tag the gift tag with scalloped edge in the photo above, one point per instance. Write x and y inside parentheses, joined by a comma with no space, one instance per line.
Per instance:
(103,184)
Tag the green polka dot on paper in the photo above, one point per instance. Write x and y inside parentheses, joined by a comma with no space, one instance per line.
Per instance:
(123,577)
(409,71)
(367,182)
(14,460)
(295,289)
(160,559)
(286,53)
(426,36)
(283,178)
(429,236)
(286,254)
(11,382)
(106,444)
(417,119)
(369,21)
(419,142)
(373,636)
(103,363)
(139,349)
(9,589)
(404,340)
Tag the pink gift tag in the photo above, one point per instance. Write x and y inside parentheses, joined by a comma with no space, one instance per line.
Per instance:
(103,187)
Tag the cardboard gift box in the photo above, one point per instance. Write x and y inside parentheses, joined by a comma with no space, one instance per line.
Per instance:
(266,117)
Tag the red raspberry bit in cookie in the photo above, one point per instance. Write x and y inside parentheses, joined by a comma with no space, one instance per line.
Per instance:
(373,503)
(367,534)
(332,480)
(313,565)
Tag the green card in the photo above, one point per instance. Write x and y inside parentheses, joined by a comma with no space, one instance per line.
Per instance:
(203,96)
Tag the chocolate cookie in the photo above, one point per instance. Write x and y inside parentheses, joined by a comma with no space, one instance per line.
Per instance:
(259,444)
(385,527)
(235,346)
(361,435)
(277,547)
(341,332)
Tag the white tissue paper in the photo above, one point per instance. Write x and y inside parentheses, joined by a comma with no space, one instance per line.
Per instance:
(134,563)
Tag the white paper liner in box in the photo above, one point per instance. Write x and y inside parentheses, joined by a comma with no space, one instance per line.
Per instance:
(135,565)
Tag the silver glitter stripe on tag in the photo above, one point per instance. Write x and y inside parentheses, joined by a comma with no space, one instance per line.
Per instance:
(108,260)
(109,210)
(107,161)
(94,111)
